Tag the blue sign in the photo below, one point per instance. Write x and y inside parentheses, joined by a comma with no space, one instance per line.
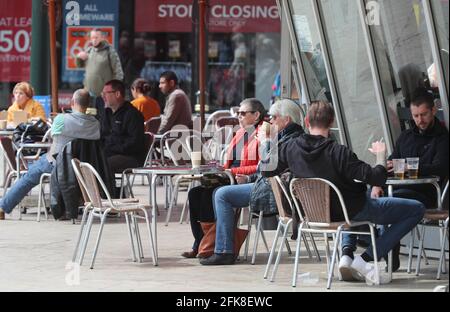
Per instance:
(46,102)
(79,18)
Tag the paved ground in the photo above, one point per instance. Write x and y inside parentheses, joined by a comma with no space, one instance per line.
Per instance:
(35,257)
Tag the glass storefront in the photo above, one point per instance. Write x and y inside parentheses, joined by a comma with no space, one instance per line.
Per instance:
(310,49)
(353,76)
(440,9)
(155,35)
(405,62)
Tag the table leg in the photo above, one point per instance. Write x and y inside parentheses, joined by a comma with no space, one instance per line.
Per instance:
(153,201)
(390,194)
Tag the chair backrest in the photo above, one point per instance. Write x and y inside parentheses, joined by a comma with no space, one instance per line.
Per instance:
(280,192)
(8,150)
(92,180)
(211,121)
(444,197)
(314,196)
(77,169)
(234,110)
(227,121)
(152,125)
(46,138)
(195,143)
(174,143)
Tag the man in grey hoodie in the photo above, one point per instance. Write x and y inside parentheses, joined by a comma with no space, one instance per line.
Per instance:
(101,61)
(65,128)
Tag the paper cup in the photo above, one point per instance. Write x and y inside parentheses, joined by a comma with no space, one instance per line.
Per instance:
(3,124)
(196,159)
(265,127)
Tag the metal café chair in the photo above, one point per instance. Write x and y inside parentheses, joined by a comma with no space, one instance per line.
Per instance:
(314,196)
(285,221)
(433,218)
(7,147)
(100,208)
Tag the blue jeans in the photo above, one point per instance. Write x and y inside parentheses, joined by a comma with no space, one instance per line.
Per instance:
(27,181)
(225,199)
(402,214)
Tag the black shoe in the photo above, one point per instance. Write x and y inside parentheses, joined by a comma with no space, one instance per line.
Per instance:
(395,258)
(218,259)
(190,254)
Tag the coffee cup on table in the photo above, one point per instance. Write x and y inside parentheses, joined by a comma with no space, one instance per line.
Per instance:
(265,127)
(196,159)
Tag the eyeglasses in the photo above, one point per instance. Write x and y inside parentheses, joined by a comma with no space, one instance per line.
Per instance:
(106,92)
(273,117)
(243,114)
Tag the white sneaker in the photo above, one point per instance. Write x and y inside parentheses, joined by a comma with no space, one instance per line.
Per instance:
(345,268)
(367,272)
(361,267)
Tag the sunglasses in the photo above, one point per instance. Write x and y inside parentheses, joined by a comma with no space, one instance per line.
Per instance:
(243,114)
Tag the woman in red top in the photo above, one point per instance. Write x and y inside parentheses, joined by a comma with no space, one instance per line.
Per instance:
(242,158)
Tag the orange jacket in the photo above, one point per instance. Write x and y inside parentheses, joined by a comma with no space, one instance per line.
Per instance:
(32,107)
(147,106)
(249,154)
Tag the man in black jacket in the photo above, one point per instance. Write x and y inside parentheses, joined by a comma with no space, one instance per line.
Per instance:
(315,155)
(122,129)
(427,140)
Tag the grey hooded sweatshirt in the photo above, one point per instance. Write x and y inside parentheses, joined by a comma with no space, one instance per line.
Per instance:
(67,127)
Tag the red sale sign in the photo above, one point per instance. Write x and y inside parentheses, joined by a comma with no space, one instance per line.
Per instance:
(15,40)
(78,40)
(247,16)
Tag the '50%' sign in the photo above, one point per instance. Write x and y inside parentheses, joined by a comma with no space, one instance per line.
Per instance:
(20,41)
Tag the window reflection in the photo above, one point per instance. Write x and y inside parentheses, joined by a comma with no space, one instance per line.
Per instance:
(352,73)
(310,49)
(440,10)
(404,57)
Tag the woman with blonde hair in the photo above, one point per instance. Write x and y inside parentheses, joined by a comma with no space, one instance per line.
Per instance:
(23,101)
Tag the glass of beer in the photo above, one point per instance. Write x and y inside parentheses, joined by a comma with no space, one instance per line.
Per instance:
(399,168)
(412,165)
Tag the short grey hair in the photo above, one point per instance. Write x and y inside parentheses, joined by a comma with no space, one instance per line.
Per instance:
(287,108)
(82,98)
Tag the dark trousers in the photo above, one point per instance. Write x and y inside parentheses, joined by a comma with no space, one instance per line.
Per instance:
(118,163)
(200,210)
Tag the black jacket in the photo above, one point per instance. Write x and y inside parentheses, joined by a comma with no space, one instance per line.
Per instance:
(262,198)
(432,148)
(310,156)
(65,192)
(123,132)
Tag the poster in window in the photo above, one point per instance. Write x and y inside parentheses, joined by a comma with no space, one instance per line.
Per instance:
(174,49)
(15,40)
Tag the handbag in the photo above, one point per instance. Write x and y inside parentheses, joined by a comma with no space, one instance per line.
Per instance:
(30,133)
(208,242)
(214,180)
